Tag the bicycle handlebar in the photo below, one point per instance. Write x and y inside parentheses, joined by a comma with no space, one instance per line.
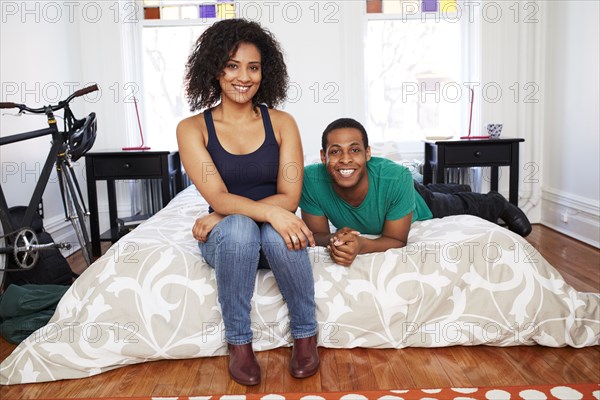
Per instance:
(59,106)
(83,91)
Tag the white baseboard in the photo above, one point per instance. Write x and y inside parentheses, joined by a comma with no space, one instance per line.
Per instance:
(530,204)
(572,215)
(62,231)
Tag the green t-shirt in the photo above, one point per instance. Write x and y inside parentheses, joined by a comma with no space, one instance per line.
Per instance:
(391,196)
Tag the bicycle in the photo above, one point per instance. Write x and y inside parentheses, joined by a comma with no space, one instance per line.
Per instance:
(68,145)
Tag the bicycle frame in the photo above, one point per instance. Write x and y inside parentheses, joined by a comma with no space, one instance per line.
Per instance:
(24,245)
(40,187)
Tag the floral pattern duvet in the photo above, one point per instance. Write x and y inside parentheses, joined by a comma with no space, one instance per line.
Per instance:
(460,281)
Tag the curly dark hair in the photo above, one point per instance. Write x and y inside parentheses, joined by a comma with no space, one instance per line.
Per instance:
(215,47)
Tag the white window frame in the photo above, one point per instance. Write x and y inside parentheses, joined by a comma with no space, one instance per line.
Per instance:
(133,68)
(471,58)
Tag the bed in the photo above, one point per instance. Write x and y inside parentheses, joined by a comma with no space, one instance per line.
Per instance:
(460,281)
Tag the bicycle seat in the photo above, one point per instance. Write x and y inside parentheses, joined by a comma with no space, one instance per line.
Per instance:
(82,136)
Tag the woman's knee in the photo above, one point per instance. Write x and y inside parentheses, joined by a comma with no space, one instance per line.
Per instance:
(237,229)
(234,233)
(276,249)
(268,234)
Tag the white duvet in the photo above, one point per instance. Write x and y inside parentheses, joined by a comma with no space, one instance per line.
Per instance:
(460,281)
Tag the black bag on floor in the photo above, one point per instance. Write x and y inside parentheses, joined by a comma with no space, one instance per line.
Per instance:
(51,267)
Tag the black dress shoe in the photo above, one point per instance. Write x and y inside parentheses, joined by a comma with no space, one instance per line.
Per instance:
(305,357)
(516,220)
(243,366)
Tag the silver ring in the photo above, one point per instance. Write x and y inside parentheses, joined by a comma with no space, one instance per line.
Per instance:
(294,238)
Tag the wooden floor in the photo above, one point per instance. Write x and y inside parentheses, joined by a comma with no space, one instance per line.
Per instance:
(362,369)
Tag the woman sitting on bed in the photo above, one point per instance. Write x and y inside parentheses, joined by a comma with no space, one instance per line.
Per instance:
(246,160)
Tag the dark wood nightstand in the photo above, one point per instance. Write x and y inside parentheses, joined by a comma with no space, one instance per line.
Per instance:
(492,153)
(112,165)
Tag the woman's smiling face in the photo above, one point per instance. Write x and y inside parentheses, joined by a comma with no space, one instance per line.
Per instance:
(242,74)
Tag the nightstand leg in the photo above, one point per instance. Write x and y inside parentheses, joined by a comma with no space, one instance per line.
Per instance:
(427,168)
(93,207)
(494,179)
(112,209)
(513,191)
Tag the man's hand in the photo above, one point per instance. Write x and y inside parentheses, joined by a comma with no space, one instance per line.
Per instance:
(344,246)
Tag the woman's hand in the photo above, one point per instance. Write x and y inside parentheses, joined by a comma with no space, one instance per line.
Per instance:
(204,225)
(292,229)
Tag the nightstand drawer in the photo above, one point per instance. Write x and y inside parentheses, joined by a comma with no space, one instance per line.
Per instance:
(468,154)
(134,167)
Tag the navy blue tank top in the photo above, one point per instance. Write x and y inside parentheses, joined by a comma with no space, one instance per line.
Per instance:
(252,175)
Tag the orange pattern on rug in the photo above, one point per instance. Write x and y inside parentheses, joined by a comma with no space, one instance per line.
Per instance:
(537,392)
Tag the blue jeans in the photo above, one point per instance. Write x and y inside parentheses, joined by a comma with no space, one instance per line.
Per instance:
(235,248)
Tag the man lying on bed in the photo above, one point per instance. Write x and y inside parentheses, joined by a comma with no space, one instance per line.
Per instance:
(372,195)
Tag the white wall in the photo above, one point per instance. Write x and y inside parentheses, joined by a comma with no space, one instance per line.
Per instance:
(40,63)
(571,163)
(50,49)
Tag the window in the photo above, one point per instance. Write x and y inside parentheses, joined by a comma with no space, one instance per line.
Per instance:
(418,69)
(173,10)
(168,32)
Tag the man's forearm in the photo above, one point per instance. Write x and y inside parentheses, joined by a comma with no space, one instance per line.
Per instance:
(322,239)
(380,244)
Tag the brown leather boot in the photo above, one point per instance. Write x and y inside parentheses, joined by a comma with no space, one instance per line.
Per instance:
(243,366)
(305,357)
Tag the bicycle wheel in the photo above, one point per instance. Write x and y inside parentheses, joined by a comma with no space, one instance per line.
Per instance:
(75,214)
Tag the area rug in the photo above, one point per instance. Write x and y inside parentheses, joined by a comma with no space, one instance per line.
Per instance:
(536,392)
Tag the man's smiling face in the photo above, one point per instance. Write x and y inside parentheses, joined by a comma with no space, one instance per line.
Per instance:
(345,157)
